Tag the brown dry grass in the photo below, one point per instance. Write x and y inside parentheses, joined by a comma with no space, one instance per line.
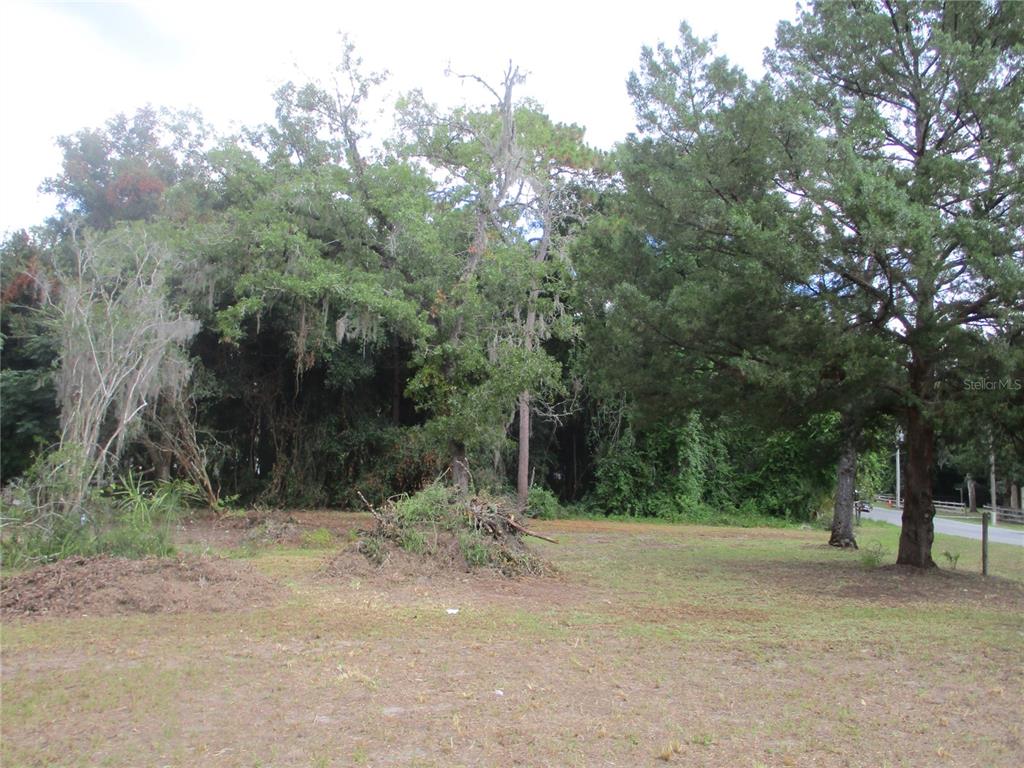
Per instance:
(101,586)
(686,645)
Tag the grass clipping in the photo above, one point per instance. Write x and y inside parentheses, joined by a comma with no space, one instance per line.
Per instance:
(454,529)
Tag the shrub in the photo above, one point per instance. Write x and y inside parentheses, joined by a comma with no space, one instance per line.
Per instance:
(543,504)
(133,519)
(143,516)
(474,549)
(713,473)
(873,554)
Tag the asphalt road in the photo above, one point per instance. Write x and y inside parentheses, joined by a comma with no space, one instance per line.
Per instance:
(953,527)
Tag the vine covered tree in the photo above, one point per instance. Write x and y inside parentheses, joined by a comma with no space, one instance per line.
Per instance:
(521,180)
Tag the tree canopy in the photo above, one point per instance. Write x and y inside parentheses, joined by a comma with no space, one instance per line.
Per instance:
(766,279)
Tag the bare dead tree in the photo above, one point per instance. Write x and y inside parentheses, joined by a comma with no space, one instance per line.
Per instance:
(170,437)
(121,346)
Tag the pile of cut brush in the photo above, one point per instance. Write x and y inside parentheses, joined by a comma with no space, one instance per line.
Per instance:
(454,528)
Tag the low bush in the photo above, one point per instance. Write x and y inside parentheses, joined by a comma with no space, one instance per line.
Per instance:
(131,518)
(873,555)
(543,504)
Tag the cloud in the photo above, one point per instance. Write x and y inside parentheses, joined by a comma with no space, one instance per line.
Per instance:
(125,28)
(63,68)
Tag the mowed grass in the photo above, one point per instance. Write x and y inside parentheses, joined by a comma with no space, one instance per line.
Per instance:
(654,644)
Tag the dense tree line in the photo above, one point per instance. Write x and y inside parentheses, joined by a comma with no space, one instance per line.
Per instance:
(757,287)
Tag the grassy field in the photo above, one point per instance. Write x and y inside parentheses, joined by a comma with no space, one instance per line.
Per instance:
(653,644)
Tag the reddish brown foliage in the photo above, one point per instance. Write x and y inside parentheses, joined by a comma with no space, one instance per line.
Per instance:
(135,190)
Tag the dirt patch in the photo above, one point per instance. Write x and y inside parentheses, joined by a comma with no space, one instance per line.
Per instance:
(899,583)
(266,528)
(891,585)
(115,585)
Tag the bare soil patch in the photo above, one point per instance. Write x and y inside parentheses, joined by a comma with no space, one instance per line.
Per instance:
(266,527)
(114,585)
(901,584)
(891,585)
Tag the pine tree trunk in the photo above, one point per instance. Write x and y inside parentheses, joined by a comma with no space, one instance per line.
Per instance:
(846,480)
(918,531)
(529,343)
(523,472)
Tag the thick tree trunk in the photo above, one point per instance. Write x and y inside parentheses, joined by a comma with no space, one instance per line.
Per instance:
(918,531)
(1014,496)
(161,461)
(460,466)
(846,481)
(523,473)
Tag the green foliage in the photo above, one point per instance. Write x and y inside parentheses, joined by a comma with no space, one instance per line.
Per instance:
(431,505)
(874,473)
(474,549)
(143,516)
(383,461)
(752,272)
(543,504)
(121,172)
(874,554)
(132,519)
(783,473)
(37,525)
(25,544)
(711,475)
(413,541)
(29,417)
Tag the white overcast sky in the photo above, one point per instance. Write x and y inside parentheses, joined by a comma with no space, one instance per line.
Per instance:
(66,66)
